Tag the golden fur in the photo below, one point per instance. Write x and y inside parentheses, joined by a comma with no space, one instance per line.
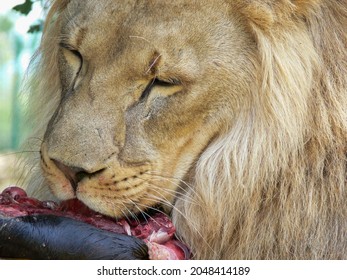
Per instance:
(244,138)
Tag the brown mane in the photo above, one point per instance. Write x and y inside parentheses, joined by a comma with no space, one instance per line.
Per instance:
(274,185)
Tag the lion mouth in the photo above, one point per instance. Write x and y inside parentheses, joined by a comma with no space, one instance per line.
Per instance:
(115,190)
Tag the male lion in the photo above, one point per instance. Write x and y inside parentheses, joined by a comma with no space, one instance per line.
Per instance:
(231,115)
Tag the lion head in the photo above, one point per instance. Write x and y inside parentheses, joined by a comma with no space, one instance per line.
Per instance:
(231,115)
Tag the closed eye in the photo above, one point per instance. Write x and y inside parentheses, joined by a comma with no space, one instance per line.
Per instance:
(74,59)
(157,83)
(71,50)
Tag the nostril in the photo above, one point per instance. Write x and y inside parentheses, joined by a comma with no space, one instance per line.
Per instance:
(81,175)
(72,173)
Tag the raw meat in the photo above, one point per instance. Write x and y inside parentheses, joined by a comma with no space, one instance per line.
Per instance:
(157,231)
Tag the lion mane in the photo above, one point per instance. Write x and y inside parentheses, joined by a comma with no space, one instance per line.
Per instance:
(274,185)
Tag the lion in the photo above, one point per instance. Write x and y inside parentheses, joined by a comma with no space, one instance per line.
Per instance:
(231,116)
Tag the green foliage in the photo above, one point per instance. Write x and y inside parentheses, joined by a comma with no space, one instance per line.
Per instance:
(14,48)
(36,27)
(24,8)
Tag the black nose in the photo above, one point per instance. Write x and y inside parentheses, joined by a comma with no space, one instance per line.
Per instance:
(73,174)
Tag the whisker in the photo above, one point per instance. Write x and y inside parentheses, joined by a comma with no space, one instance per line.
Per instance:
(155,198)
(141,38)
(169,179)
(153,63)
(163,176)
(116,207)
(124,213)
(177,195)
(142,212)
(151,208)
(27,169)
(17,153)
(133,215)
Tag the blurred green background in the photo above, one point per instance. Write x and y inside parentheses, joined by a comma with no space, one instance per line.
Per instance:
(17,46)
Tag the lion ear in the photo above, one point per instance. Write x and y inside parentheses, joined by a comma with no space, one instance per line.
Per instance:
(266,13)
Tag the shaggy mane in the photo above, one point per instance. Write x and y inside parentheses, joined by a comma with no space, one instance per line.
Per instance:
(273,186)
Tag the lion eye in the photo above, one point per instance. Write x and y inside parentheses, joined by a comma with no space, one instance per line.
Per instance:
(76,60)
(73,58)
(78,55)
(155,82)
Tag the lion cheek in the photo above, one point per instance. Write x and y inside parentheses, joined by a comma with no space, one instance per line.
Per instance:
(58,183)
(60,187)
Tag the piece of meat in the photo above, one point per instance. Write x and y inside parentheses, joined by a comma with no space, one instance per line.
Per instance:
(156,231)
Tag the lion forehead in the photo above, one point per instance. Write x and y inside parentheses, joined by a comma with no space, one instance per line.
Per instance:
(121,32)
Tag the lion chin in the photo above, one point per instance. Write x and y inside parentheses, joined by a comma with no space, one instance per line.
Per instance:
(231,115)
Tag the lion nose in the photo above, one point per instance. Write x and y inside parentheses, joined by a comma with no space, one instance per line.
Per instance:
(73,174)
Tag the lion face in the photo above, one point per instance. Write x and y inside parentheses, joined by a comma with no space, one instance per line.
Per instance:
(232,114)
(144,89)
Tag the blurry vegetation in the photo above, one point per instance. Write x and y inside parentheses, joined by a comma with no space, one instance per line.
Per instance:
(16,48)
(6,55)
(25,9)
